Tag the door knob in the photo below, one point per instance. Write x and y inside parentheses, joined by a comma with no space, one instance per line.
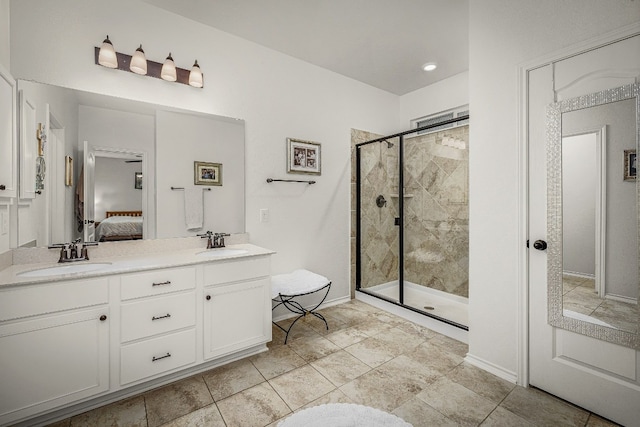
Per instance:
(540,245)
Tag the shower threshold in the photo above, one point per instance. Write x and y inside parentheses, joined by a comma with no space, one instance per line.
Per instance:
(436,310)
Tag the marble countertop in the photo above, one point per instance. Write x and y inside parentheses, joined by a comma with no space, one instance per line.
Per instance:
(11,276)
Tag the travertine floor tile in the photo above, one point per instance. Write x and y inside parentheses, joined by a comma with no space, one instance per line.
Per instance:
(277,361)
(485,384)
(335,396)
(400,341)
(175,400)
(313,348)
(500,417)
(596,421)
(374,389)
(346,337)
(255,407)
(301,386)
(418,413)
(457,402)
(208,416)
(412,373)
(372,351)
(435,357)
(129,413)
(340,367)
(232,378)
(450,345)
(543,409)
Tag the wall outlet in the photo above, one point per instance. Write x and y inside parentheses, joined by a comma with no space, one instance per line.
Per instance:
(4,223)
(264,215)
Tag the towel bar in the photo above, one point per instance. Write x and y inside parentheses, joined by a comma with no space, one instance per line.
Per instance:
(182,188)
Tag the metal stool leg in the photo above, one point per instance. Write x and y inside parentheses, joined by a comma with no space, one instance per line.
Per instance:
(294,306)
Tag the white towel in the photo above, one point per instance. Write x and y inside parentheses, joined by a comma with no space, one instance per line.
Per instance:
(193,208)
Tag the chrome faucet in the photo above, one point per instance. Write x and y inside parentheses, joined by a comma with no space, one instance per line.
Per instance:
(214,240)
(208,236)
(74,251)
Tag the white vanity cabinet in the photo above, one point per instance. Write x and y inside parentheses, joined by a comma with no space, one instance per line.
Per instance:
(157,322)
(237,305)
(54,345)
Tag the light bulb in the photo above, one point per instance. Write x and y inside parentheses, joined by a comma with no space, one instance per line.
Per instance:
(169,70)
(195,76)
(107,56)
(429,66)
(138,62)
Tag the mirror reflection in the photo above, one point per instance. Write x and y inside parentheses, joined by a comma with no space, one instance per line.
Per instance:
(112,163)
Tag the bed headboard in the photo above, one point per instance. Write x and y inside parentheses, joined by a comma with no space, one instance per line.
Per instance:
(123,213)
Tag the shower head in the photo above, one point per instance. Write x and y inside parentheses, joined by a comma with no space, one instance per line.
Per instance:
(389,144)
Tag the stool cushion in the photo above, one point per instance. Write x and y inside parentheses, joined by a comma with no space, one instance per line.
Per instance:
(296,283)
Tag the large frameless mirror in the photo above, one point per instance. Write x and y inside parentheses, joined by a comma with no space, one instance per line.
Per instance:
(592,217)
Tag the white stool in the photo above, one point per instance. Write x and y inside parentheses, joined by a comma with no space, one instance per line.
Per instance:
(285,288)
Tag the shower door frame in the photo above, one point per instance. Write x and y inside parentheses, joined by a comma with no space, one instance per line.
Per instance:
(400,137)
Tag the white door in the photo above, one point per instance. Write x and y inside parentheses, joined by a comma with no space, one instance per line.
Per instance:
(88,192)
(599,376)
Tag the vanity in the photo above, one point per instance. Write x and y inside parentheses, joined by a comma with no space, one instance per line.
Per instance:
(72,341)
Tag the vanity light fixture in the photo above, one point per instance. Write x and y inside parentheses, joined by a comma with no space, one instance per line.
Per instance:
(138,64)
(107,56)
(168,72)
(429,66)
(195,76)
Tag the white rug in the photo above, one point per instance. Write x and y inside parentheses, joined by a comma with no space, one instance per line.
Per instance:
(343,415)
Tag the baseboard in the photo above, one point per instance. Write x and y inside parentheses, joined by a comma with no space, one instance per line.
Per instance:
(325,304)
(496,370)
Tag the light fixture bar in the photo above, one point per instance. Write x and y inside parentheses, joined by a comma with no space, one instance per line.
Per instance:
(153,68)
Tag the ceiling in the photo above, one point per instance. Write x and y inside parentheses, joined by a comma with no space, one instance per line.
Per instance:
(383,43)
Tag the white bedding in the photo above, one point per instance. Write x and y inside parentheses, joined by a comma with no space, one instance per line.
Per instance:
(119,226)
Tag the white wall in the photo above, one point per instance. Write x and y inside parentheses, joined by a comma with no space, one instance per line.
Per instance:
(502,35)
(579,184)
(441,96)
(4,34)
(278,97)
(115,186)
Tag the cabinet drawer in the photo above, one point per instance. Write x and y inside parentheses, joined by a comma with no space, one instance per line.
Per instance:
(157,355)
(153,316)
(236,270)
(157,282)
(33,300)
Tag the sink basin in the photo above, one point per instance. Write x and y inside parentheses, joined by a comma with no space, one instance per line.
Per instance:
(65,269)
(215,253)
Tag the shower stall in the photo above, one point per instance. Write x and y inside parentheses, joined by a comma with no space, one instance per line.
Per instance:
(412,217)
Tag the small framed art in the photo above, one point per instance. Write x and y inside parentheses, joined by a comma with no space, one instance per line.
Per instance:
(630,171)
(207,173)
(303,157)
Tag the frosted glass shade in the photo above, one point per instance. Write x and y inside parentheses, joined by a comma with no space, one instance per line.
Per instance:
(138,62)
(169,70)
(195,76)
(107,56)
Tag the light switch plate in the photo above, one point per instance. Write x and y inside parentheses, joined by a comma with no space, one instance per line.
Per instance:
(264,215)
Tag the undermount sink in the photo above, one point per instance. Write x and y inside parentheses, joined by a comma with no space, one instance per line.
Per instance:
(65,269)
(215,253)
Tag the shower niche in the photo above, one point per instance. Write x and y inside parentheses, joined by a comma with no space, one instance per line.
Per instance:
(412,217)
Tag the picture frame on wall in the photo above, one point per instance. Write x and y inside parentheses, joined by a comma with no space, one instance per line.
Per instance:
(630,164)
(138,181)
(303,157)
(206,173)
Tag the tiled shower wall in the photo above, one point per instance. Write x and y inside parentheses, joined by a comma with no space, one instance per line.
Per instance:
(436,210)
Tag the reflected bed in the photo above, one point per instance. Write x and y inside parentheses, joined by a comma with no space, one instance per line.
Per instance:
(120,225)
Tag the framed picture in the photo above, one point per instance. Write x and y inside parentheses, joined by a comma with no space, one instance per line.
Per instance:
(630,165)
(68,171)
(207,173)
(303,157)
(138,181)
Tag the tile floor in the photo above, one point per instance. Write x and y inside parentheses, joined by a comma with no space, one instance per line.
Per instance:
(368,357)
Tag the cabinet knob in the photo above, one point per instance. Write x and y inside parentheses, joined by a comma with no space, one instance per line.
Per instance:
(103,317)
(3,187)
(208,297)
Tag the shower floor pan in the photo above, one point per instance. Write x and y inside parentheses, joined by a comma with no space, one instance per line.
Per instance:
(441,304)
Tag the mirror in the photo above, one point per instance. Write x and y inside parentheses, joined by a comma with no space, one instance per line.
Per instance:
(140,152)
(593,215)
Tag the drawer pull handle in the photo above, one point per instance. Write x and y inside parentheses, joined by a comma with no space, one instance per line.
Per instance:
(103,317)
(208,297)
(161,357)
(168,282)
(166,316)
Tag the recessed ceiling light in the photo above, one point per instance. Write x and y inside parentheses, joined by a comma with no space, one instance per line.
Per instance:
(430,66)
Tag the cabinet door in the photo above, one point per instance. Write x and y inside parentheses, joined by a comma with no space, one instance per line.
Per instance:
(52,361)
(236,316)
